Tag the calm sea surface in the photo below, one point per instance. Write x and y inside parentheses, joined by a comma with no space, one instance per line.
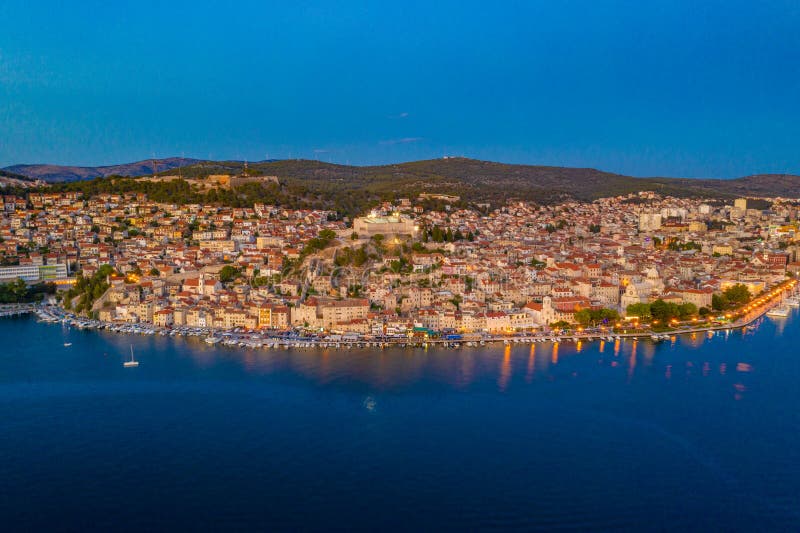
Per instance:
(695,434)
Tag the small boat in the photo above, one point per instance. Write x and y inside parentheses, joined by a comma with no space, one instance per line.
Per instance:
(779,312)
(67,344)
(133,362)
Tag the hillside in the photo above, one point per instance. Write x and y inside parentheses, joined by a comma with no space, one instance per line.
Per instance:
(61,173)
(11,180)
(475,180)
(351,190)
(757,185)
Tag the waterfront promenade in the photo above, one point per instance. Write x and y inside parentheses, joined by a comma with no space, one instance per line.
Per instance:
(9,310)
(741,318)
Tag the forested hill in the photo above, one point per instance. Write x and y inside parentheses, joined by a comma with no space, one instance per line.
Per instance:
(352,189)
(476,180)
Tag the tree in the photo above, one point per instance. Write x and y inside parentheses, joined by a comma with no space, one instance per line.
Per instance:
(641,310)
(583,317)
(260,281)
(399,266)
(535,263)
(737,294)
(719,302)
(87,290)
(686,310)
(228,273)
(607,315)
(14,291)
(661,310)
(327,235)
(587,316)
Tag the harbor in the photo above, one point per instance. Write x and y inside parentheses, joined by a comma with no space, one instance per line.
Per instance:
(781,297)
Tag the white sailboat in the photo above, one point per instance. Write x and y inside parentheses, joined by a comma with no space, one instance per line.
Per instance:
(779,312)
(133,362)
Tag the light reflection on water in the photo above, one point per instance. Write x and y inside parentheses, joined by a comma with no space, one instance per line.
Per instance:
(396,368)
(512,365)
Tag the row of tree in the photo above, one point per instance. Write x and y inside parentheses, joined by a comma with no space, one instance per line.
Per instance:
(731,298)
(593,317)
(437,234)
(662,310)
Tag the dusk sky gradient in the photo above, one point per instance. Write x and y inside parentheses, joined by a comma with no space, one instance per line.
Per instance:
(646,88)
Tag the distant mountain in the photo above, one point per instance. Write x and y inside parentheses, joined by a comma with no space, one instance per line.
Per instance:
(60,173)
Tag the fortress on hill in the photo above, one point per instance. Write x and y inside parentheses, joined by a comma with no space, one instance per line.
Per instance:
(228,181)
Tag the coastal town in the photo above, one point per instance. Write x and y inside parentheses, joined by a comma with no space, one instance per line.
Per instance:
(424,268)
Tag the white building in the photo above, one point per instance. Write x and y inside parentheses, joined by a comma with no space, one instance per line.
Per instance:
(33,273)
(649,221)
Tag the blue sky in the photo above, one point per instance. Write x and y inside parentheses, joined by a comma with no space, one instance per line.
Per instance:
(647,88)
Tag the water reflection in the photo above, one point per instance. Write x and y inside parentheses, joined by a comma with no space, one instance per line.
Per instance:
(467,371)
(531,364)
(505,370)
(632,359)
(698,356)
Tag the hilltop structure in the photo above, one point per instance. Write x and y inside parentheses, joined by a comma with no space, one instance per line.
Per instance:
(394,224)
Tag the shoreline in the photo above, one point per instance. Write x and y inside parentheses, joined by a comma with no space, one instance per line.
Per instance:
(264,340)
